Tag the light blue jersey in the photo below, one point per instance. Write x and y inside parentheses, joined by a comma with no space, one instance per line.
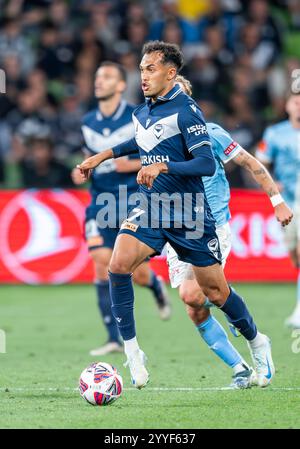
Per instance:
(217,187)
(280,146)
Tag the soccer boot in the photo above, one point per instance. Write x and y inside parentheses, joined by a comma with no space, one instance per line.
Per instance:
(108,348)
(262,359)
(164,308)
(136,362)
(244,379)
(294,320)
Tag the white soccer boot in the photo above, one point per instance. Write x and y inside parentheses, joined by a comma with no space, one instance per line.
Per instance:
(244,379)
(136,362)
(294,320)
(165,310)
(262,359)
(108,348)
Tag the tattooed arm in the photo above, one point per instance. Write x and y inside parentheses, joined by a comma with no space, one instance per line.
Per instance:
(261,175)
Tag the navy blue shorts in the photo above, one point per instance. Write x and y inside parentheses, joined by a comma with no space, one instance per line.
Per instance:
(200,252)
(99,238)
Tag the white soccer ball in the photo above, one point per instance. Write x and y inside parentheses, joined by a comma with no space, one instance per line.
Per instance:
(100,384)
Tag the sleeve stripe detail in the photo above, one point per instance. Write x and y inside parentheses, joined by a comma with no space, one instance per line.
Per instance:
(205,142)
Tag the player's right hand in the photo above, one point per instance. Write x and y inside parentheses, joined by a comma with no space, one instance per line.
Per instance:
(87,166)
(77,177)
(283,214)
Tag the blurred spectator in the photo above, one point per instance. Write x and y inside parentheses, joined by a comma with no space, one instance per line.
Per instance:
(69,124)
(259,12)
(31,118)
(226,19)
(240,57)
(12,41)
(252,50)
(39,168)
(170,12)
(172,32)
(14,82)
(133,93)
(136,34)
(215,40)
(56,52)
(103,25)
(294,14)
(209,109)
(203,73)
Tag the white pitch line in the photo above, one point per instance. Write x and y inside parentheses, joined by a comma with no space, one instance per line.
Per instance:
(157,389)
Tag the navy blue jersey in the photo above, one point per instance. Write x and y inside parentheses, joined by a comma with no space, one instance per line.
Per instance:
(169,130)
(101,133)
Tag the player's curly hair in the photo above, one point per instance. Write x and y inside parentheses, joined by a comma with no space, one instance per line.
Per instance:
(171,53)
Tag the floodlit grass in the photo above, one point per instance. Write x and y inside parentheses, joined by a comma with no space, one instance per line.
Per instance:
(50,330)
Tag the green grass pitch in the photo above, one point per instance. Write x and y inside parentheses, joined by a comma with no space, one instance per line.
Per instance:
(50,330)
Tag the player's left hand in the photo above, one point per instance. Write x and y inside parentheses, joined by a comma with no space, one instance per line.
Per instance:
(283,214)
(147,175)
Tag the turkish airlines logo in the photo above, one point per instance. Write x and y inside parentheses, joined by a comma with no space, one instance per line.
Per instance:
(256,235)
(40,237)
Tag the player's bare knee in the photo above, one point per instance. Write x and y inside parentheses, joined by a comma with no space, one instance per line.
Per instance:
(198,315)
(119,265)
(191,297)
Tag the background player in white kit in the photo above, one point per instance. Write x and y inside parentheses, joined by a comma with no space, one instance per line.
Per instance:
(280,147)
(218,195)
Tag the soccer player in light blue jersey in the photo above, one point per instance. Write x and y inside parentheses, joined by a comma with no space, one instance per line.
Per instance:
(280,148)
(107,125)
(181,274)
(175,150)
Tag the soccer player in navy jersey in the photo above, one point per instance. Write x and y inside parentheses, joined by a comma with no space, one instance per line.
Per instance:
(175,151)
(105,126)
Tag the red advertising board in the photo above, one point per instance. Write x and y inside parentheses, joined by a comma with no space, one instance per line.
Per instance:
(41,239)
(258,249)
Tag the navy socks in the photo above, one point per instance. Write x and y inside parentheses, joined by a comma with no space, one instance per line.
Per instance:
(156,288)
(104,304)
(122,297)
(238,315)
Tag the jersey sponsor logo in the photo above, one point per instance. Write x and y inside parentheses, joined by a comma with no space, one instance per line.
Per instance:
(262,146)
(197,130)
(146,160)
(230,148)
(38,244)
(130,226)
(193,107)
